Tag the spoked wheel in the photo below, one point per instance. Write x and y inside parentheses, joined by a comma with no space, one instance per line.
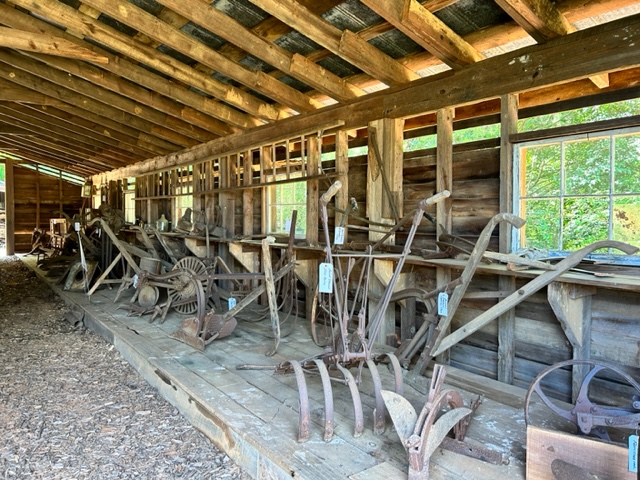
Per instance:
(589,417)
(183,287)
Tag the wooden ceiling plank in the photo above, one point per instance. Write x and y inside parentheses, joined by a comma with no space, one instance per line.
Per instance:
(109,37)
(150,25)
(606,48)
(543,21)
(25,154)
(49,148)
(10,92)
(72,141)
(234,32)
(427,30)
(77,108)
(47,44)
(70,130)
(345,44)
(27,79)
(199,109)
(109,136)
(39,65)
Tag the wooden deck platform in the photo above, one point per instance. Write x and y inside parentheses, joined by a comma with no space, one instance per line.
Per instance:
(253,415)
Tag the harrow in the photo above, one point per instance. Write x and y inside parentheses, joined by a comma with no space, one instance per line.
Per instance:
(353,332)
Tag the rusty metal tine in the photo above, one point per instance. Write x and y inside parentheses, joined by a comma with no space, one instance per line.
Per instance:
(357,403)
(303,395)
(379,411)
(328,399)
(398,386)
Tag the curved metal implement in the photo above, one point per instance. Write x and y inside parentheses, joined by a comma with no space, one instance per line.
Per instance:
(589,417)
(328,399)
(357,403)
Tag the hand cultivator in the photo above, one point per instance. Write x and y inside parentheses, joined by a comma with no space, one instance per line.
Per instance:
(353,331)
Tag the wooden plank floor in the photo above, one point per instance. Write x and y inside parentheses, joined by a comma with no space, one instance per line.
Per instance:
(253,414)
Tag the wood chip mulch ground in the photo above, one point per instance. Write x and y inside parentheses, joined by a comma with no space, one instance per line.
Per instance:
(72,408)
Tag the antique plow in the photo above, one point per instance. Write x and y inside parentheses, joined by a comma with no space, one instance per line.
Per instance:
(353,330)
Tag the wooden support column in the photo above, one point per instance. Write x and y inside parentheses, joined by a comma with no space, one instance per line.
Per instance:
(37,197)
(385,139)
(342,169)
(10,208)
(572,305)
(506,321)
(313,198)
(60,196)
(444,181)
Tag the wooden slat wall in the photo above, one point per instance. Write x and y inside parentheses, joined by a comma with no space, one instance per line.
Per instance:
(50,192)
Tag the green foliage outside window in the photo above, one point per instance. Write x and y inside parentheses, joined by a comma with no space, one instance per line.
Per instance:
(287,198)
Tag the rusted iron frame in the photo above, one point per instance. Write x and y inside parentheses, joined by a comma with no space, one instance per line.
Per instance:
(589,418)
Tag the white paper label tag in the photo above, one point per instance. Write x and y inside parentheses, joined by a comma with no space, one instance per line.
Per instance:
(287,225)
(231,303)
(325,278)
(77,225)
(443,300)
(134,281)
(338,237)
(633,453)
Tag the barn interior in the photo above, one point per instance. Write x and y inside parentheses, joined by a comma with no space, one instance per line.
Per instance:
(346,239)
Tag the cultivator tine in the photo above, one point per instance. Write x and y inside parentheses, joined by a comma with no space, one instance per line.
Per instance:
(379,411)
(328,399)
(303,395)
(357,403)
(398,386)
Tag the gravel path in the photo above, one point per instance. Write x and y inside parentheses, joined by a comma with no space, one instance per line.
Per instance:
(72,408)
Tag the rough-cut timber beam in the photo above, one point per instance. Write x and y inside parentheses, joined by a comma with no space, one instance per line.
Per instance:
(427,30)
(293,64)
(25,154)
(200,110)
(344,44)
(20,40)
(27,78)
(88,108)
(608,47)
(543,21)
(166,64)
(69,131)
(153,27)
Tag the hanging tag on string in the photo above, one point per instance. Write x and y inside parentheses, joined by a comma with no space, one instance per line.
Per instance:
(633,453)
(338,237)
(443,301)
(325,278)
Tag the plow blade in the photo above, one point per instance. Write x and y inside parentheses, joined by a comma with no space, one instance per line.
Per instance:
(199,334)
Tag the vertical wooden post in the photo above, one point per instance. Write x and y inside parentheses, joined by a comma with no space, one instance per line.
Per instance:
(389,138)
(572,305)
(444,181)
(247,195)
(10,208)
(506,321)
(37,197)
(313,198)
(60,201)
(342,169)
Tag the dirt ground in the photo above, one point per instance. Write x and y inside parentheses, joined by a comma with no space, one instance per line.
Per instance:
(72,408)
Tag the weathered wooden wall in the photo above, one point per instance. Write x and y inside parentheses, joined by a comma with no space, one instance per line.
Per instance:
(37,197)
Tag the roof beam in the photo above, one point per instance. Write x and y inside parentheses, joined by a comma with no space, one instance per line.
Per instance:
(112,38)
(24,153)
(604,48)
(72,131)
(345,44)
(74,142)
(543,21)
(150,25)
(69,101)
(295,65)
(41,43)
(200,110)
(35,76)
(427,30)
